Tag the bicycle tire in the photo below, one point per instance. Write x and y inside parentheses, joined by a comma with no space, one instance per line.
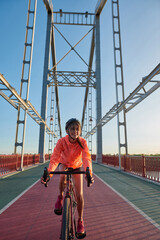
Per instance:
(66,220)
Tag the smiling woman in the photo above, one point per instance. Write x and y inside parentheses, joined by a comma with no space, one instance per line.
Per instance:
(71,151)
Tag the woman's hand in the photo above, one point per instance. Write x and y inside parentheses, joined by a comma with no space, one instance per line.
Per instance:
(91,180)
(46,180)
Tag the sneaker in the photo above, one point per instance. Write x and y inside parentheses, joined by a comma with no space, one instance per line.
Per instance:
(80,229)
(58,205)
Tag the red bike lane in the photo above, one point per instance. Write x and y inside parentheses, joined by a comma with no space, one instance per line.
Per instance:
(106,216)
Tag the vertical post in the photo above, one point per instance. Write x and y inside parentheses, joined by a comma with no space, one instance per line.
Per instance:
(98,90)
(45,89)
(143,166)
(25,79)
(119,83)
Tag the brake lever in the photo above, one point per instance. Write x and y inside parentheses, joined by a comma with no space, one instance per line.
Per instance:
(45,175)
(88,177)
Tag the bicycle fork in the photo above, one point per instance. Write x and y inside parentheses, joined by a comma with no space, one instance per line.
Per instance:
(73,219)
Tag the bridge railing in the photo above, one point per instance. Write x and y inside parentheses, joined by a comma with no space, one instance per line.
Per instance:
(10,163)
(144,166)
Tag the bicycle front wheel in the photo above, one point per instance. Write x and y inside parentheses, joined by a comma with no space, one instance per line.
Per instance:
(66,220)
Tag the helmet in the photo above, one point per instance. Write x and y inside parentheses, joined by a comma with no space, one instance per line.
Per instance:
(70,121)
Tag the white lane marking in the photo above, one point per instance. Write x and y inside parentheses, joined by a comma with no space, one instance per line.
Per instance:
(15,199)
(131,204)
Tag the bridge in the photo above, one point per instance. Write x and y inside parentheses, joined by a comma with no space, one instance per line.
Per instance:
(114,182)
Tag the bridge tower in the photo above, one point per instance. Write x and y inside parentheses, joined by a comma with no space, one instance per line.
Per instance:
(88,79)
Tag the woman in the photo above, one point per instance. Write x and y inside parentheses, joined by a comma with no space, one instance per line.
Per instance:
(72,151)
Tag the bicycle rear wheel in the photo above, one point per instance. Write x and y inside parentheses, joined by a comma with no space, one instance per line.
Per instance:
(66,220)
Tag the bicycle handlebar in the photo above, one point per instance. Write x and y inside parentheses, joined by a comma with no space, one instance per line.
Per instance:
(87,172)
(67,172)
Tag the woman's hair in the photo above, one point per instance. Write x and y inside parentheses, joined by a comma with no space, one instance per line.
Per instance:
(74,121)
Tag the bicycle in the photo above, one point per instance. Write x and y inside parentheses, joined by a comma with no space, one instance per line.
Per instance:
(68,228)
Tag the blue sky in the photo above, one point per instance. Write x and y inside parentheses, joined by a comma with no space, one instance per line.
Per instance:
(140,35)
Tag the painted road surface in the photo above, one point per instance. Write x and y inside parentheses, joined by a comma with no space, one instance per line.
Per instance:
(107,214)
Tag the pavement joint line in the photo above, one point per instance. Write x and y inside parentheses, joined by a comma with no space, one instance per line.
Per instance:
(16,198)
(131,204)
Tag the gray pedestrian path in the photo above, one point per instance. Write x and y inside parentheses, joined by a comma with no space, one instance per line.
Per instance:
(144,195)
(13,185)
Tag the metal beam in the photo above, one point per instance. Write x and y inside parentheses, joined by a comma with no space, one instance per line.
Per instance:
(74,18)
(139,92)
(72,79)
(48,5)
(45,87)
(132,100)
(143,96)
(89,70)
(32,112)
(99,7)
(15,100)
(98,90)
(53,52)
(71,48)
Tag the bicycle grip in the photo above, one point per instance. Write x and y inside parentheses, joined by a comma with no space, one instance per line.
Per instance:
(45,175)
(88,177)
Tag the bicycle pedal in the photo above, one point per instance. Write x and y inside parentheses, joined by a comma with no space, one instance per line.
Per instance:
(58,211)
(81,235)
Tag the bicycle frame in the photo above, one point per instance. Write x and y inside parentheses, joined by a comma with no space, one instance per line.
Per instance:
(70,193)
(67,231)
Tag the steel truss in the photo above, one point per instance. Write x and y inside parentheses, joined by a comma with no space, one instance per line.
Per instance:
(90,20)
(77,79)
(148,85)
(56,78)
(11,96)
(74,18)
(72,79)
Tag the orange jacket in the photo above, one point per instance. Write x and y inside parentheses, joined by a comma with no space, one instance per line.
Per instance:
(70,154)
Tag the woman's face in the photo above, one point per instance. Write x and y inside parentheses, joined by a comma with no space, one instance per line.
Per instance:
(74,131)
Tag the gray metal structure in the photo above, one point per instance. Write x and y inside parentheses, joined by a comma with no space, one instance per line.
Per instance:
(70,78)
(50,46)
(98,90)
(25,78)
(147,86)
(51,116)
(45,84)
(119,82)
(20,101)
(89,79)
(12,97)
